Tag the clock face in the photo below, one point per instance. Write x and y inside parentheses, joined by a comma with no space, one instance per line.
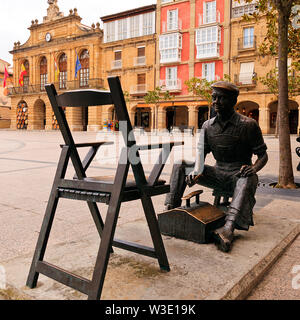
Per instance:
(48,37)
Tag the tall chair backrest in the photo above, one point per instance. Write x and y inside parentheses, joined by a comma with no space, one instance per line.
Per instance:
(76,98)
(126,129)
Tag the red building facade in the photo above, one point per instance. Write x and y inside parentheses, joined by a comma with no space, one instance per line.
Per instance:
(190,44)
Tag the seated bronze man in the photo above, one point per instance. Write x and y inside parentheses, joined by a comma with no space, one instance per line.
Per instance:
(233,139)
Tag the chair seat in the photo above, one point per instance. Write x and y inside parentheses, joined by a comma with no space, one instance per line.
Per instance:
(130,183)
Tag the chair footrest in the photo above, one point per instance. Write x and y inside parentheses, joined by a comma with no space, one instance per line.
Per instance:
(84,195)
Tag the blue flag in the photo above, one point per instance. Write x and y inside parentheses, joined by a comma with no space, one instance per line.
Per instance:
(78,65)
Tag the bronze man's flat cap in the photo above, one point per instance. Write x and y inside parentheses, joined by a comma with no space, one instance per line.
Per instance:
(226,86)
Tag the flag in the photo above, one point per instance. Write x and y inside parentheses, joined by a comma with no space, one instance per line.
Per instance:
(6,75)
(56,72)
(77,66)
(22,74)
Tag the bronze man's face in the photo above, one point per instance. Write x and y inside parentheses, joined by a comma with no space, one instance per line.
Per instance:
(222,101)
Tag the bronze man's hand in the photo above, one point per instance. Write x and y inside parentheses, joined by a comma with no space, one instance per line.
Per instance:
(247,171)
(191,178)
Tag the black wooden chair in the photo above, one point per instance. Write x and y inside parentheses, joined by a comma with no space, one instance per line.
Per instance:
(119,188)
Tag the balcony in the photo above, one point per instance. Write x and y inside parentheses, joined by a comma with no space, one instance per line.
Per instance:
(247,43)
(170,85)
(208,51)
(116,64)
(138,90)
(68,85)
(239,10)
(245,79)
(139,61)
(205,20)
(170,27)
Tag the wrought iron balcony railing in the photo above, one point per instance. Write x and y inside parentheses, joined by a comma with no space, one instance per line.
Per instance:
(67,85)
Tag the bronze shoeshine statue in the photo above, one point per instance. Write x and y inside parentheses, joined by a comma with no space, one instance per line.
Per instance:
(233,139)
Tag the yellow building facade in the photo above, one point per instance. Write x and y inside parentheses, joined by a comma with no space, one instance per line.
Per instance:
(255,100)
(129,48)
(53,46)
(5,101)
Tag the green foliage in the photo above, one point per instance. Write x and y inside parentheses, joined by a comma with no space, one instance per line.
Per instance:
(271,82)
(157,95)
(202,88)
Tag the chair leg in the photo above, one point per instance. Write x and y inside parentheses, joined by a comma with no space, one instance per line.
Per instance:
(97,219)
(42,241)
(108,231)
(96,216)
(48,218)
(155,232)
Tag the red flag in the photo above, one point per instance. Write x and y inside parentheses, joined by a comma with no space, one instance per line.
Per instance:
(6,75)
(22,74)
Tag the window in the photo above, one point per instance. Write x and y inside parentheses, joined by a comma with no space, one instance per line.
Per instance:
(134,26)
(208,71)
(171,77)
(170,46)
(141,57)
(209,12)
(122,29)
(117,62)
(172,20)
(26,76)
(248,38)
(246,72)
(43,73)
(141,82)
(207,42)
(62,71)
(147,23)
(110,31)
(85,69)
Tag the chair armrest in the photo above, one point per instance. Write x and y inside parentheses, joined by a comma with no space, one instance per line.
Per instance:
(90,144)
(160,145)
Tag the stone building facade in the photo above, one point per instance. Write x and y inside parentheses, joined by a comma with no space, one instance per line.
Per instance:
(129,46)
(255,100)
(54,45)
(5,101)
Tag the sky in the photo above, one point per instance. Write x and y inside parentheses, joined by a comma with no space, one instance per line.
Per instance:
(16,16)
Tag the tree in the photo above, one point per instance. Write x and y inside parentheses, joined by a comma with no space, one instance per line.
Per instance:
(202,88)
(282,39)
(155,97)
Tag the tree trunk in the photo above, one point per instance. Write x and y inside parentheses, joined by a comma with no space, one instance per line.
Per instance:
(286,176)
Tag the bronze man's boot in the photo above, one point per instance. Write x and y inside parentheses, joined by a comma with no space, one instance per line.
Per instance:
(224,236)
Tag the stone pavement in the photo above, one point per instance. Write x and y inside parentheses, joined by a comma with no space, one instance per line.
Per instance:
(27,166)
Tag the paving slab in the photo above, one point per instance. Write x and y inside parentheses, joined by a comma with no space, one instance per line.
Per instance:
(198,271)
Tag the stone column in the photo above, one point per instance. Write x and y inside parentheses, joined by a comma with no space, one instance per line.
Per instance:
(94,118)
(162,118)
(264,119)
(74,118)
(49,115)
(13,113)
(193,117)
